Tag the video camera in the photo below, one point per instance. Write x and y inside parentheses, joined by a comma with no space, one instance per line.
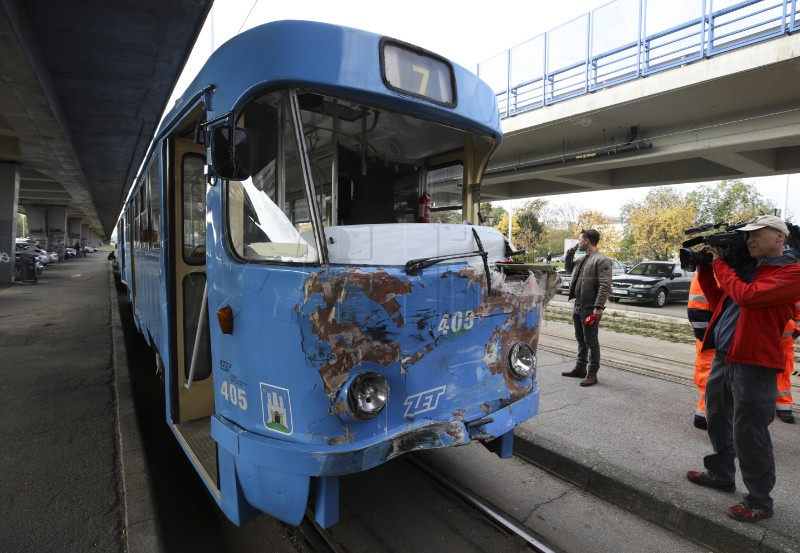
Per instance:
(733,243)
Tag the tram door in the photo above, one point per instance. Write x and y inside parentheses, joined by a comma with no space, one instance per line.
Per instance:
(191,386)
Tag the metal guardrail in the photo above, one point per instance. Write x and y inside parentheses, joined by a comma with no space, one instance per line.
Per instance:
(625,40)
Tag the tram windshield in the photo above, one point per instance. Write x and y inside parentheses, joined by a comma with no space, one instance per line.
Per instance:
(365,166)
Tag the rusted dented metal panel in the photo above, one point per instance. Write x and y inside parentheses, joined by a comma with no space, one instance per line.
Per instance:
(360,317)
(352,341)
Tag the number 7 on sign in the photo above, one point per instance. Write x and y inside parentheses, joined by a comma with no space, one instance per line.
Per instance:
(423,86)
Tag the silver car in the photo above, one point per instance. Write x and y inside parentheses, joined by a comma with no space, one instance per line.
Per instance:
(566,278)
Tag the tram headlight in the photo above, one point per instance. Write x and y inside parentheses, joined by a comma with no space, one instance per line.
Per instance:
(522,361)
(367,395)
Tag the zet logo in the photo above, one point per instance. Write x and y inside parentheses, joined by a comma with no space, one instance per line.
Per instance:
(423,401)
(276,407)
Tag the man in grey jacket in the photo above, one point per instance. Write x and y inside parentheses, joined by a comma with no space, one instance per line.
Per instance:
(590,286)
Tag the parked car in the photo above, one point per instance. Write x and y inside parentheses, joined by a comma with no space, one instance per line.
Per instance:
(566,278)
(655,282)
(30,250)
(24,256)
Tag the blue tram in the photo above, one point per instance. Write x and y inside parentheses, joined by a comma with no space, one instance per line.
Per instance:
(278,249)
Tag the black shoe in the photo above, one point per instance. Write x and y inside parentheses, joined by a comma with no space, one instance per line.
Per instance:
(785,416)
(575,373)
(700,422)
(703,479)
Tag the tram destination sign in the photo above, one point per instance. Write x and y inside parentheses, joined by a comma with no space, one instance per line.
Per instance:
(417,72)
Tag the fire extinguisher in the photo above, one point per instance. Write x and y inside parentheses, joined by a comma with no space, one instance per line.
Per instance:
(424,215)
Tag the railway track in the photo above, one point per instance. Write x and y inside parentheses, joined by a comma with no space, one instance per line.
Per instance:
(485,507)
(339,540)
(652,363)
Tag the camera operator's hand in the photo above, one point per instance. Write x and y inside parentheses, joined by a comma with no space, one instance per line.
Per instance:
(715,251)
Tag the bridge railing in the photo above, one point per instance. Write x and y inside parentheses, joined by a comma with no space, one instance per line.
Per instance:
(628,39)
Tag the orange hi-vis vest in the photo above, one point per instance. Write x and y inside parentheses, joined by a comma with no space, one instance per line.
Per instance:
(698,311)
(790,332)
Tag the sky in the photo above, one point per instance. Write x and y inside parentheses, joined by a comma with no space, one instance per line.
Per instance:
(467,32)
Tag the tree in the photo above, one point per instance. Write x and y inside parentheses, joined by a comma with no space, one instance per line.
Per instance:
(657,223)
(729,201)
(501,224)
(527,226)
(591,219)
(22,225)
(487,210)
(450,216)
(610,233)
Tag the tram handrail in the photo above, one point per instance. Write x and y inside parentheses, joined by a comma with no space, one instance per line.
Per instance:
(201,323)
(710,33)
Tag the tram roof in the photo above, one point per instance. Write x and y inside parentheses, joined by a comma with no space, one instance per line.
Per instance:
(327,58)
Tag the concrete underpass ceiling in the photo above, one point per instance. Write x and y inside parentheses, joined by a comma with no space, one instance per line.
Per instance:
(736,115)
(84,84)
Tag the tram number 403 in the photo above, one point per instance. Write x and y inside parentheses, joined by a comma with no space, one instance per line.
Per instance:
(456,321)
(234,394)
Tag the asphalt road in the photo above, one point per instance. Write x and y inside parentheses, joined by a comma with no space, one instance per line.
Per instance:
(59,489)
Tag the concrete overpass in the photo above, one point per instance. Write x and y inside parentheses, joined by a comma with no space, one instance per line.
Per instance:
(83,87)
(84,84)
(733,115)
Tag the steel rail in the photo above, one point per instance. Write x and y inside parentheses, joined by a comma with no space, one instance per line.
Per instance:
(491,511)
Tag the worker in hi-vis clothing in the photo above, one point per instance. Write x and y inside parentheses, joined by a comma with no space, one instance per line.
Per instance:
(783,405)
(699,314)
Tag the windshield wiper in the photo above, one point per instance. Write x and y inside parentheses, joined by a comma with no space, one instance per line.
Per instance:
(485,257)
(414,266)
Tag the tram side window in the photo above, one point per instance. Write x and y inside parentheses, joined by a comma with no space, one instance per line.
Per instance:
(137,243)
(194,209)
(155,206)
(142,213)
(445,186)
(126,229)
(265,213)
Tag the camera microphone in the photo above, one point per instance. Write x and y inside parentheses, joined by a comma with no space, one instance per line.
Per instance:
(701,228)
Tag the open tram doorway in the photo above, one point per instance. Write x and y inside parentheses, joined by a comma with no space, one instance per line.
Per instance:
(190,382)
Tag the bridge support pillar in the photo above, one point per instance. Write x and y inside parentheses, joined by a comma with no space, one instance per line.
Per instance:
(57,229)
(37,224)
(73,232)
(9,206)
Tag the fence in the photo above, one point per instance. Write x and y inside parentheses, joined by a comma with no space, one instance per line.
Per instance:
(628,39)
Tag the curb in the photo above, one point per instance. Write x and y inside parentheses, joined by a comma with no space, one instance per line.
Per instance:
(142,530)
(655,501)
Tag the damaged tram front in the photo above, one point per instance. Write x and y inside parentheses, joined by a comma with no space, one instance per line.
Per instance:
(364,330)
(346,326)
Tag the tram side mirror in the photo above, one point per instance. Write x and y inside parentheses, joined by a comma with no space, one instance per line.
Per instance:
(230,159)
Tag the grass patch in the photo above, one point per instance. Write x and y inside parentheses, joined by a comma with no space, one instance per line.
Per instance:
(670,332)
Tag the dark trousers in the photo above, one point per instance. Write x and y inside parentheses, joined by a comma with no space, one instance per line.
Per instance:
(588,343)
(740,405)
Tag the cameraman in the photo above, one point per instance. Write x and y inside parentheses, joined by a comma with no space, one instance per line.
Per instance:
(746,328)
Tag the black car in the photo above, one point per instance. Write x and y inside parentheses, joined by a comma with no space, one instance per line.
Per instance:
(655,282)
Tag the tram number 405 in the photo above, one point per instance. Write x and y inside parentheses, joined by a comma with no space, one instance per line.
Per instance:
(234,394)
(456,321)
